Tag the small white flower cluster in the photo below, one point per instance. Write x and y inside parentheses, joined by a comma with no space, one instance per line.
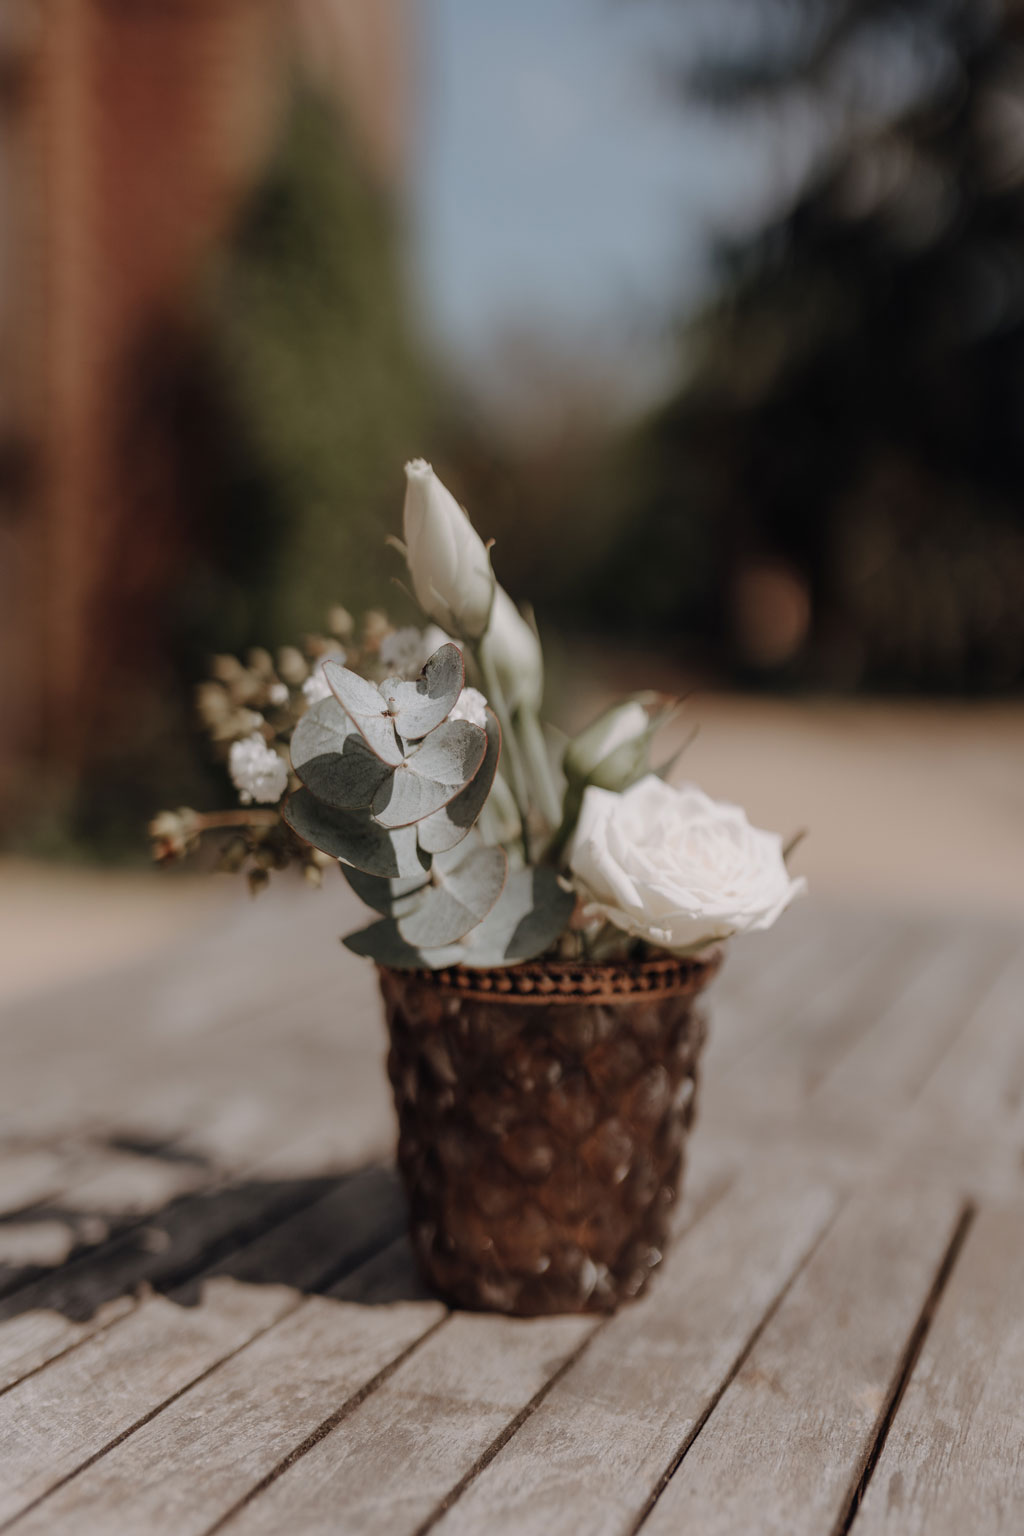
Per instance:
(316,686)
(472,706)
(256,771)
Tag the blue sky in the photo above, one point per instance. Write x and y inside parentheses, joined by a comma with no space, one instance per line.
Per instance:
(556,182)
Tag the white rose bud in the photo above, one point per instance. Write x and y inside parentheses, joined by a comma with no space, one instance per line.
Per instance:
(676,868)
(612,752)
(515,653)
(448,561)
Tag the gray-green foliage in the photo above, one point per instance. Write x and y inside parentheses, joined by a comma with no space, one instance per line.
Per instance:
(392,787)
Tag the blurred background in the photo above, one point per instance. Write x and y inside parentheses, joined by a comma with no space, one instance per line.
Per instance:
(710,311)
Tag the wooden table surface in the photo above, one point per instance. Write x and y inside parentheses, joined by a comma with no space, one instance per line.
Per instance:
(209,1319)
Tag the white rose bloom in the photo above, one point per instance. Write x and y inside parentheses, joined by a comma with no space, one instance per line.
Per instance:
(677,868)
(316,686)
(448,561)
(515,653)
(256,771)
(472,706)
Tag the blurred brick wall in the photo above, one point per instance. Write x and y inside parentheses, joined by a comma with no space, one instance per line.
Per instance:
(130,130)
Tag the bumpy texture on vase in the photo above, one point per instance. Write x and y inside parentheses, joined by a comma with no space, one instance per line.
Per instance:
(543,1113)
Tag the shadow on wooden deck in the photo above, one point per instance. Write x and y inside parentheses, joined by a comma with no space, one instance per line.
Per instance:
(306,1233)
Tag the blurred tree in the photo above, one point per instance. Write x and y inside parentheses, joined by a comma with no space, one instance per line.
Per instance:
(835,493)
(322,382)
(268,427)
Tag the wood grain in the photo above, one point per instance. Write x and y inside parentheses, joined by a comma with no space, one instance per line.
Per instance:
(187,1467)
(165,1344)
(953,1462)
(204,1103)
(389,1464)
(590,1456)
(790,1438)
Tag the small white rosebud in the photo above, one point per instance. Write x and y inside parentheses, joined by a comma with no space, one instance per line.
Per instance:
(612,751)
(472,706)
(256,771)
(402,650)
(515,653)
(278,693)
(448,561)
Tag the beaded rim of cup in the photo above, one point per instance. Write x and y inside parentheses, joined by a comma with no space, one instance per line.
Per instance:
(572,981)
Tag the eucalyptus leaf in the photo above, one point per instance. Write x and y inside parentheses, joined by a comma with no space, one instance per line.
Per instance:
(419,707)
(432,775)
(389,897)
(458,898)
(368,709)
(529,916)
(531,913)
(333,760)
(383,943)
(445,828)
(400,711)
(354,837)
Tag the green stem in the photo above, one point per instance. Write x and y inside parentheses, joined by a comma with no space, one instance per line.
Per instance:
(510,744)
(535,749)
(570,816)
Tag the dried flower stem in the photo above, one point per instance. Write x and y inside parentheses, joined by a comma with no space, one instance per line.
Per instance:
(214,821)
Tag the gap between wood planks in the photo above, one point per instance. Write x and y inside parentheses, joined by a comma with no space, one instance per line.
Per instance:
(717,1186)
(913,1352)
(142,1269)
(735,1369)
(525,1413)
(902,1375)
(363,1249)
(87,1258)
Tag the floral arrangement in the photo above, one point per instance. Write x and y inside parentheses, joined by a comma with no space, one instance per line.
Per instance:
(416,759)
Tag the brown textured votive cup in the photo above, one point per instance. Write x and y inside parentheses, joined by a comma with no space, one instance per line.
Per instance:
(543,1112)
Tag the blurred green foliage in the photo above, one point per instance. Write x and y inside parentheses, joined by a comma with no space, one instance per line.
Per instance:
(835,492)
(271,427)
(321,380)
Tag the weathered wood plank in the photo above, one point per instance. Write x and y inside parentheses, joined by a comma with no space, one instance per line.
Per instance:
(164,1345)
(31,1174)
(771,1084)
(953,1461)
(56,1420)
(103,1190)
(966,1126)
(749,1015)
(393,1460)
(891,1061)
(593,1452)
(117,1039)
(54,1314)
(786,1446)
(188,1466)
(367,1293)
